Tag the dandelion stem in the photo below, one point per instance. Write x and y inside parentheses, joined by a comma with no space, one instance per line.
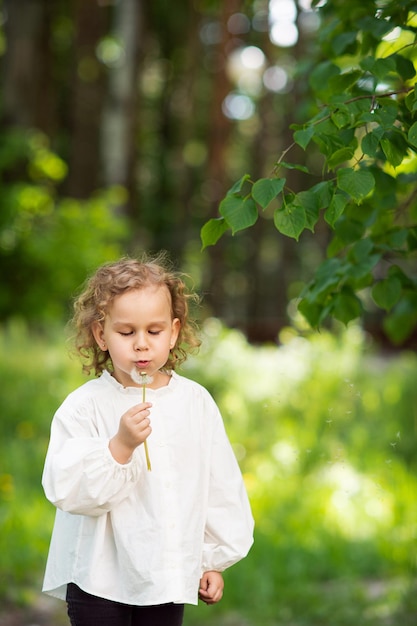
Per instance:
(145,443)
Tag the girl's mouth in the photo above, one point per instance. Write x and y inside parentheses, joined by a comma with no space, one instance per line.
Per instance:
(140,364)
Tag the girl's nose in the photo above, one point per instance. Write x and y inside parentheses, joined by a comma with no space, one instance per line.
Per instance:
(140,343)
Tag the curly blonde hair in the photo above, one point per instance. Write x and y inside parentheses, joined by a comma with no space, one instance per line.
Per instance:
(115,278)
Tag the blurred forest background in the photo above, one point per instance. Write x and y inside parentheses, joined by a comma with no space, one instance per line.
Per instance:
(123,123)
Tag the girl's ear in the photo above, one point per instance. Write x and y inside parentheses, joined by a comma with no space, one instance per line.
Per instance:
(175,330)
(97,330)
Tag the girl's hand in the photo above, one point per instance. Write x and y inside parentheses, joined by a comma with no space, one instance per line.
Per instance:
(211,587)
(134,428)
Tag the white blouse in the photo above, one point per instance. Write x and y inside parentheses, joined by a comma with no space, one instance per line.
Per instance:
(136,536)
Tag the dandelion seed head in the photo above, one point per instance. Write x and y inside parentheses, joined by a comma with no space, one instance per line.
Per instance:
(140,378)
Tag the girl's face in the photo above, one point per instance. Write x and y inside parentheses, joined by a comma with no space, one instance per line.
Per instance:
(139,332)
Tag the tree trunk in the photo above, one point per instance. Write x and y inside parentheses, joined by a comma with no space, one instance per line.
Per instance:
(119,127)
(218,133)
(88,89)
(27,93)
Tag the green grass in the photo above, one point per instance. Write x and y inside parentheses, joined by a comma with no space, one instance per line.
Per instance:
(324,430)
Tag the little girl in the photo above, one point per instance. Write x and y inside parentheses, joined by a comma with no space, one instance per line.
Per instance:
(151,505)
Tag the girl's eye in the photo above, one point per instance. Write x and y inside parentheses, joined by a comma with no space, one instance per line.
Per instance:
(126,334)
(154,332)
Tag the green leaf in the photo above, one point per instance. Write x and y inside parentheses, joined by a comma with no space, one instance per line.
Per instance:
(320,76)
(363,257)
(346,306)
(377,26)
(406,282)
(405,67)
(303,137)
(329,138)
(401,322)
(412,135)
(340,156)
(324,192)
(348,230)
(380,68)
(383,67)
(359,276)
(362,250)
(357,183)
(411,99)
(370,144)
(266,189)
(397,238)
(384,197)
(239,212)
(290,220)
(412,239)
(367,63)
(395,147)
(312,311)
(343,82)
(343,41)
(386,293)
(238,185)
(294,166)
(386,114)
(341,118)
(212,231)
(327,276)
(310,202)
(336,208)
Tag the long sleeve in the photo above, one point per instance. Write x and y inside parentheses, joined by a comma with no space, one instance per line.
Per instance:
(80,475)
(229,523)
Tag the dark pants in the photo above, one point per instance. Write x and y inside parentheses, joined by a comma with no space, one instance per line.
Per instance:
(87,610)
